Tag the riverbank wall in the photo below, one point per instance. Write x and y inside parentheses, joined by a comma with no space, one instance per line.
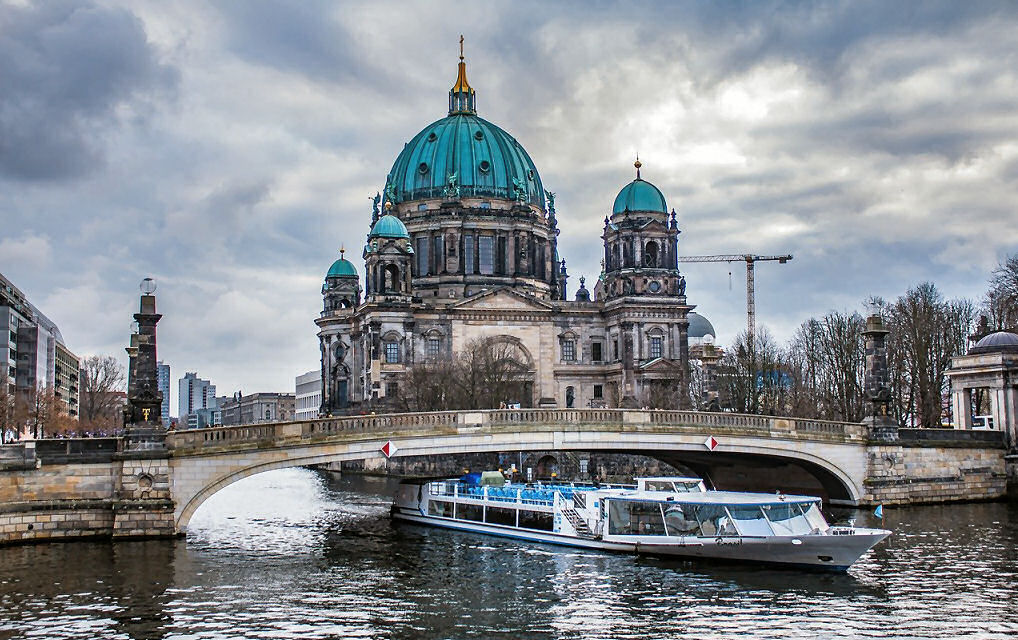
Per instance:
(54,490)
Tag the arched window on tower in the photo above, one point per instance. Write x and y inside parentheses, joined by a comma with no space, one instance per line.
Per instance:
(392,281)
(650,255)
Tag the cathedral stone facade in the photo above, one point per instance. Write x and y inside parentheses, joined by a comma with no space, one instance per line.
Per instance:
(464,245)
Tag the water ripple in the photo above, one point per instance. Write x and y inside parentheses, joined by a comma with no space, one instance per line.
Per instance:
(295,554)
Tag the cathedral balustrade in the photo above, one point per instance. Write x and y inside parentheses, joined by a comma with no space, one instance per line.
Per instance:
(266,435)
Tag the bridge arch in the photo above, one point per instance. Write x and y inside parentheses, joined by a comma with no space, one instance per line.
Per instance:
(196,478)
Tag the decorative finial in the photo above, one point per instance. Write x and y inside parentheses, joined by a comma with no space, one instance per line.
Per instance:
(388,205)
(461,96)
(637,164)
(342,250)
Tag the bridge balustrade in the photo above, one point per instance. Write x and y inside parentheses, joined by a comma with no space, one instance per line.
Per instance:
(555,416)
(762,423)
(622,419)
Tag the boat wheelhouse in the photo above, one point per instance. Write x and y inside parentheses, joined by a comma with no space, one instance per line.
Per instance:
(666,515)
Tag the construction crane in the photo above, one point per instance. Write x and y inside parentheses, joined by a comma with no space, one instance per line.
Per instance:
(750,260)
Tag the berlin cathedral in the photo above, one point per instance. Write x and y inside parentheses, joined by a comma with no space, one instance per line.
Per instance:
(464,246)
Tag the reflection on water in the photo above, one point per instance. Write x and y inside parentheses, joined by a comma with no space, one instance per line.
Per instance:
(292,554)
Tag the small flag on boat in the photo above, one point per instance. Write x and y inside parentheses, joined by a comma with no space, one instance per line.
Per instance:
(879,511)
(389,449)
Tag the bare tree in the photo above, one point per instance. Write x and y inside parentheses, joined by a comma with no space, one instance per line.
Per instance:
(429,386)
(101,378)
(39,412)
(485,374)
(9,427)
(926,331)
(1001,301)
(826,362)
(754,380)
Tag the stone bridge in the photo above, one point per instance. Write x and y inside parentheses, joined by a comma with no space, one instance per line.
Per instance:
(81,488)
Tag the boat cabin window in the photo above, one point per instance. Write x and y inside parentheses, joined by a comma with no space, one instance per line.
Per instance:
(715,521)
(750,520)
(536,520)
(680,520)
(788,519)
(815,518)
(473,512)
(439,508)
(634,518)
(677,486)
(500,515)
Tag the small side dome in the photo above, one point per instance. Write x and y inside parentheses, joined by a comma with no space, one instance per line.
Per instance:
(389,226)
(640,195)
(999,342)
(582,295)
(342,268)
(700,327)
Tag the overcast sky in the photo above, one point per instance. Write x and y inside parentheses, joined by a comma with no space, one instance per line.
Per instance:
(228,149)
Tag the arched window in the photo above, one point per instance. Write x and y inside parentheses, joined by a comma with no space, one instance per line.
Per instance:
(650,255)
(391,279)
(391,352)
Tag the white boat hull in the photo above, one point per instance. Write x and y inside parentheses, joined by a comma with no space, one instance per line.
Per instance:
(825,552)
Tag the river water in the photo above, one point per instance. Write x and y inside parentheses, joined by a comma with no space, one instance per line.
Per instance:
(297,554)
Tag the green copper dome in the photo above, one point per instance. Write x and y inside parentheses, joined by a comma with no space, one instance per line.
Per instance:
(640,195)
(342,268)
(389,226)
(479,157)
(463,156)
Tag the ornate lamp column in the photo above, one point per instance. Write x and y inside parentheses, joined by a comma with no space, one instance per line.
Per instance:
(878,389)
(143,416)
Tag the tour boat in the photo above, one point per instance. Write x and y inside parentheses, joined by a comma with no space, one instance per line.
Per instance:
(672,516)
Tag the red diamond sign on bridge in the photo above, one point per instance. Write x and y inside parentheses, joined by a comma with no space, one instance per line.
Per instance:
(710,443)
(389,449)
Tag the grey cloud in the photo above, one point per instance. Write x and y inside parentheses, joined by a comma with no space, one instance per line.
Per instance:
(66,68)
(310,37)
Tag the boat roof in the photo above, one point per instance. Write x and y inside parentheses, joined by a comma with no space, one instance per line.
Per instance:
(708,497)
(670,479)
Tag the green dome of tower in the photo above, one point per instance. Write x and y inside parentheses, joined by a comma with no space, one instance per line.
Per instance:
(465,155)
(639,195)
(389,226)
(342,268)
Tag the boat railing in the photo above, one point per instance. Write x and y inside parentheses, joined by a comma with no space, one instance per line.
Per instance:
(543,494)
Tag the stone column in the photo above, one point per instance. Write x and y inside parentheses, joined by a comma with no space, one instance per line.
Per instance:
(878,389)
(961,406)
(145,429)
(628,382)
(142,505)
(684,400)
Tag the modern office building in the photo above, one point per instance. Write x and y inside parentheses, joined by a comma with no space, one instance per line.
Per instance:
(308,399)
(35,356)
(197,402)
(163,381)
